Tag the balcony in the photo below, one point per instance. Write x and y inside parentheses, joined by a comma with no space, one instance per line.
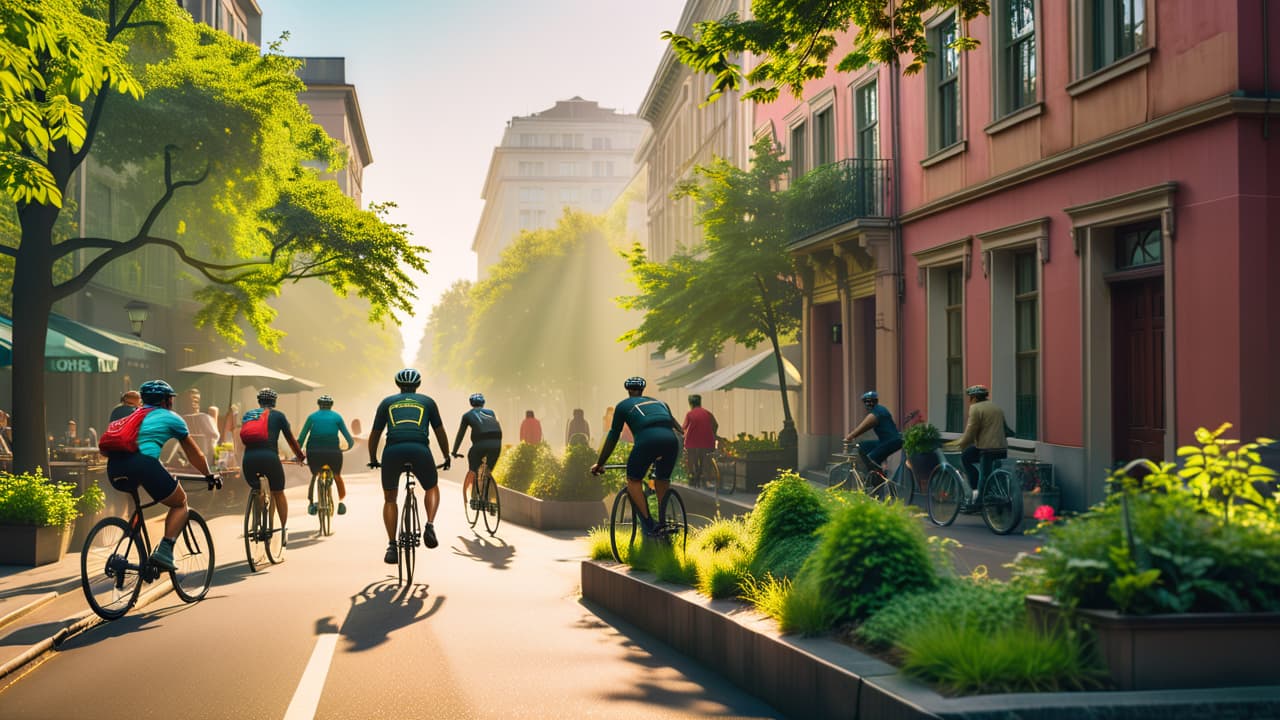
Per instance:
(837,194)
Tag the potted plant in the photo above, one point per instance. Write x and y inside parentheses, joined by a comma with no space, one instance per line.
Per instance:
(919,444)
(1039,487)
(36,516)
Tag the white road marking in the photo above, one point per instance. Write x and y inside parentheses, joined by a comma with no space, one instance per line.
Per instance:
(306,699)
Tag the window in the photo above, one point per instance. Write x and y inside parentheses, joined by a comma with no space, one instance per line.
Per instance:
(1138,245)
(797,151)
(602,168)
(530,194)
(955,349)
(528,168)
(867,121)
(824,137)
(568,169)
(532,219)
(1016,65)
(1113,29)
(570,141)
(597,195)
(1026,303)
(945,71)
(601,143)
(569,195)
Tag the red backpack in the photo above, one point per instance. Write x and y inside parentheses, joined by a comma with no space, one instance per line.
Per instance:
(255,430)
(121,435)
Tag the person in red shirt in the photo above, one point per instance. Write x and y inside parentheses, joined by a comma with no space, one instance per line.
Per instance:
(700,428)
(530,429)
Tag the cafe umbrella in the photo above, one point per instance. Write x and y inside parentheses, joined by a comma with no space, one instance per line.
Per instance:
(250,373)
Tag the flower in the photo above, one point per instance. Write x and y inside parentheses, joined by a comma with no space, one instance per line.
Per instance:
(1045,513)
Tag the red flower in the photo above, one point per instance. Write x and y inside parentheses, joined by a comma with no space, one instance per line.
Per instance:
(1045,513)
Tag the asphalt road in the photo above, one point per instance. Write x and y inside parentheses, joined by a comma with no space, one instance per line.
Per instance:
(492,628)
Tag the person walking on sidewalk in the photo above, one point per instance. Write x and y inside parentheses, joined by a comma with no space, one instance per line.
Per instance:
(320,436)
(700,427)
(530,429)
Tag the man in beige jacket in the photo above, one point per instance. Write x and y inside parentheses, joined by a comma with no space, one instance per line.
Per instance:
(984,434)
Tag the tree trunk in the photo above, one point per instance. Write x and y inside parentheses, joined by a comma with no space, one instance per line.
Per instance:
(787,437)
(32,303)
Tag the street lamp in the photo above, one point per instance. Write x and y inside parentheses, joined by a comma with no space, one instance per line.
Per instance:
(138,312)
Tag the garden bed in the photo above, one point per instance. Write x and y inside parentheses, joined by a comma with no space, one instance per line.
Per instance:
(538,514)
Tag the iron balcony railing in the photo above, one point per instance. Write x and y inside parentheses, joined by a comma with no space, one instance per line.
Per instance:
(838,193)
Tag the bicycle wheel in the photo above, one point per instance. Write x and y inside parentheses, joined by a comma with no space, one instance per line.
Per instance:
(471,502)
(904,483)
(880,488)
(622,525)
(945,489)
(676,524)
(409,534)
(324,502)
(724,480)
(838,476)
(492,504)
(193,556)
(110,566)
(255,550)
(274,535)
(1001,502)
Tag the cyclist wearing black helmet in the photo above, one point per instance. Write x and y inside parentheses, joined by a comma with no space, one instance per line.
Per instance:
(263,457)
(984,434)
(657,436)
(486,439)
(320,436)
(127,470)
(405,416)
(888,440)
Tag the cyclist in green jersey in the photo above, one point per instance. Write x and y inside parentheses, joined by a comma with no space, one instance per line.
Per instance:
(320,437)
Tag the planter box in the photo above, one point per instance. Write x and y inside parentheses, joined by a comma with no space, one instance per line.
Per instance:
(757,468)
(1185,650)
(32,545)
(539,514)
(922,465)
(1031,501)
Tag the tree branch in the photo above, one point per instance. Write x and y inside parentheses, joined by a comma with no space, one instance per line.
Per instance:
(115,26)
(120,249)
(6,250)
(67,247)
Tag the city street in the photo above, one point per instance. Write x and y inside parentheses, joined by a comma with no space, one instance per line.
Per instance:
(493,627)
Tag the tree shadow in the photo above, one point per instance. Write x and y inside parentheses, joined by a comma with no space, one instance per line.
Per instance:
(380,609)
(494,551)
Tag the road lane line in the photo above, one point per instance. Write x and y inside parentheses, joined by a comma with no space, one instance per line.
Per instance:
(306,699)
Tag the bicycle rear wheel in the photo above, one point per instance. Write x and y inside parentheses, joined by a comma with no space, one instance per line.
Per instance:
(324,502)
(255,550)
(1001,502)
(274,535)
(904,483)
(193,556)
(410,531)
(492,504)
(110,567)
(676,523)
(724,478)
(880,488)
(622,526)
(945,490)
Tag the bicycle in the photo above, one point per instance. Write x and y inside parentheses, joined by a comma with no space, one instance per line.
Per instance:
(716,479)
(623,523)
(484,499)
(998,499)
(116,559)
(323,482)
(900,485)
(263,541)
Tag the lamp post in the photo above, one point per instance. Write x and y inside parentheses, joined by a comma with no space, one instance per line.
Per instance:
(138,312)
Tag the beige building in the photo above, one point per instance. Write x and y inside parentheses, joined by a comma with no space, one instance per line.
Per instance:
(241,19)
(335,107)
(574,155)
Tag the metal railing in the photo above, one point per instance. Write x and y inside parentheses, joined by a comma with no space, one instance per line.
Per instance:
(837,193)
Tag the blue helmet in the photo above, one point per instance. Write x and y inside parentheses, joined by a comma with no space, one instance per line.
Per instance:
(477,400)
(871,396)
(155,391)
(267,397)
(408,377)
(634,383)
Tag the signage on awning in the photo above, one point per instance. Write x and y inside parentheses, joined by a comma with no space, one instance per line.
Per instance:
(80,364)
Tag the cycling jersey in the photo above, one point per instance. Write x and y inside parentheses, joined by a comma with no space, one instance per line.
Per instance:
(157,428)
(641,413)
(321,430)
(406,417)
(128,471)
(485,429)
(656,442)
(885,428)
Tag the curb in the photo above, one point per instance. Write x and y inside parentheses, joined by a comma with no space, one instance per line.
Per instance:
(30,607)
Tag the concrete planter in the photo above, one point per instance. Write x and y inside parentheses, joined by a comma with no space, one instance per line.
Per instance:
(757,468)
(33,545)
(1153,652)
(539,514)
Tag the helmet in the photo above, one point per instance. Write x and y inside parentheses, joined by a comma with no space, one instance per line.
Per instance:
(634,383)
(325,401)
(477,400)
(267,397)
(408,377)
(153,391)
(871,396)
(977,391)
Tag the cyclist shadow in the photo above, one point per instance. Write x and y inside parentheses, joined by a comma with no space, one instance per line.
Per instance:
(380,609)
(131,624)
(496,552)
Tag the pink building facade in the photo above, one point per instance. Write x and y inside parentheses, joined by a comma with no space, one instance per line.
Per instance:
(1080,214)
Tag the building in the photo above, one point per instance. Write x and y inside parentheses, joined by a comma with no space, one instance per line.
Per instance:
(575,154)
(335,107)
(1083,201)
(241,19)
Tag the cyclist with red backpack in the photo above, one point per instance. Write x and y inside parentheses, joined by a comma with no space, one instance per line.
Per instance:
(132,445)
(260,430)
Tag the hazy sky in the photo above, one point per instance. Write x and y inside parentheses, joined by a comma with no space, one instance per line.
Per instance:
(438,80)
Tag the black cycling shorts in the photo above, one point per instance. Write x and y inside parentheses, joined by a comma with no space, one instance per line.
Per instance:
(317,458)
(128,471)
(265,462)
(487,453)
(394,458)
(659,447)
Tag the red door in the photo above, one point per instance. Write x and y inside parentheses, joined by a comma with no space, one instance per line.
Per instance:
(1137,371)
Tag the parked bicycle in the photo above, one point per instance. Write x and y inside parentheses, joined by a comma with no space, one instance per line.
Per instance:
(263,541)
(115,561)
(624,525)
(483,499)
(998,498)
(322,490)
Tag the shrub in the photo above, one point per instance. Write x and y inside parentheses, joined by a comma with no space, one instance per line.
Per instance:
(920,438)
(987,606)
(577,482)
(788,507)
(598,546)
(784,558)
(520,464)
(32,499)
(797,606)
(722,534)
(722,574)
(868,554)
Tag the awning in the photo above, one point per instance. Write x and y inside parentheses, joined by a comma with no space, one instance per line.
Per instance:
(683,374)
(132,350)
(61,353)
(756,373)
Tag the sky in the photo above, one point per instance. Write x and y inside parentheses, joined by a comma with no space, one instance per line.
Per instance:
(437,81)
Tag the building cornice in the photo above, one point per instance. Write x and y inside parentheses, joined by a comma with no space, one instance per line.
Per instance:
(352,102)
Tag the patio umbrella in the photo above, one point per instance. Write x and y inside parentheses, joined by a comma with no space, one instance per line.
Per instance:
(251,373)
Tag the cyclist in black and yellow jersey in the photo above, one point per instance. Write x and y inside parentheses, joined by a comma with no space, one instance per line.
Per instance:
(405,416)
(486,439)
(657,436)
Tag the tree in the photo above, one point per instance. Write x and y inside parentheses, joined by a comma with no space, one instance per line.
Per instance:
(794,40)
(219,153)
(740,284)
(445,340)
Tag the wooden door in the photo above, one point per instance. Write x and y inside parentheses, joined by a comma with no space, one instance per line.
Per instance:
(1137,375)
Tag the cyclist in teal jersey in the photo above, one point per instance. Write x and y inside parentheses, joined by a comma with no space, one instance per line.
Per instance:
(657,435)
(320,437)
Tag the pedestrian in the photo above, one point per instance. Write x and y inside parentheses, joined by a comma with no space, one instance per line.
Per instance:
(700,427)
(71,438)
(530,429)
(130,400)
(577,430)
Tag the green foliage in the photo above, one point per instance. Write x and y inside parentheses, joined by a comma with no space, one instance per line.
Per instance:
(793,41)
(920,438)
(731,533)
(986,606)
(598,546)
(788,507)
(797,606)
(745,444)
(444,344)
(721,575)
(577,482)
(521,464)
(721,551)
(870,552)
(973,660)
(783,558)
(32,499)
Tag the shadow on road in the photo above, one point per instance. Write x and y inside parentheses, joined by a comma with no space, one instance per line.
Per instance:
(136,621)
(496,552)
(380,609)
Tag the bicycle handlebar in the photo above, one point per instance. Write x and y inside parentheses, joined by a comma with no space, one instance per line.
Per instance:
(214,481)
(614,466)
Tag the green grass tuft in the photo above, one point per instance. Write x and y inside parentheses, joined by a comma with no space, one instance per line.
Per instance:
(988,606)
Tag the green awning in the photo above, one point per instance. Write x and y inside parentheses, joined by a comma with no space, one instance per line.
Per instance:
(755,373)
(61,353)
(687,373)
(133,351)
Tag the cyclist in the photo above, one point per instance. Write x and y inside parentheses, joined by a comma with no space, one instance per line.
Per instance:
(888,440)
(486,439)
(984,434)
(657,443)
(128,470)
(406,416)
(263,457)
(700,427)
(320,436)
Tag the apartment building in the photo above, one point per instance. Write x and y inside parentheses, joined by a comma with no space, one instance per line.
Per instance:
(335,107)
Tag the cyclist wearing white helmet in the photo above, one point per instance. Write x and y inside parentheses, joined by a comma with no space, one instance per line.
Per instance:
(984,434)
(657,435)
(406,416)
(262,457)
(486,439)
(320,436)
(888,440)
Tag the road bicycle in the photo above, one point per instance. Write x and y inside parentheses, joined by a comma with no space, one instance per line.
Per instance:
(410,533)
(116,559)
(998,499)
(623,525)
(322,491)
(483,499)
(263,541)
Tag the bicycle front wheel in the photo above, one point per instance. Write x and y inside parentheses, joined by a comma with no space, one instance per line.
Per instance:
(492,504)
(471,502)
(324,503)
(904,483)
(945,490)
(1001,502)
(410,531)
(676,521)
(274,535)
(110,567)
(193,556)
(255,550)
(838,476)
(622,526)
